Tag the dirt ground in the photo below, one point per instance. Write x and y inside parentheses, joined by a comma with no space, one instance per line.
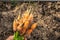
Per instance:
(46,14)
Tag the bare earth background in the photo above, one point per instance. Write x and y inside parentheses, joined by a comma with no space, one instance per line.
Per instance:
(47,15)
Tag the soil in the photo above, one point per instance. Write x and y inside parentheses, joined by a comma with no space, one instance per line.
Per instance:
(46,14)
